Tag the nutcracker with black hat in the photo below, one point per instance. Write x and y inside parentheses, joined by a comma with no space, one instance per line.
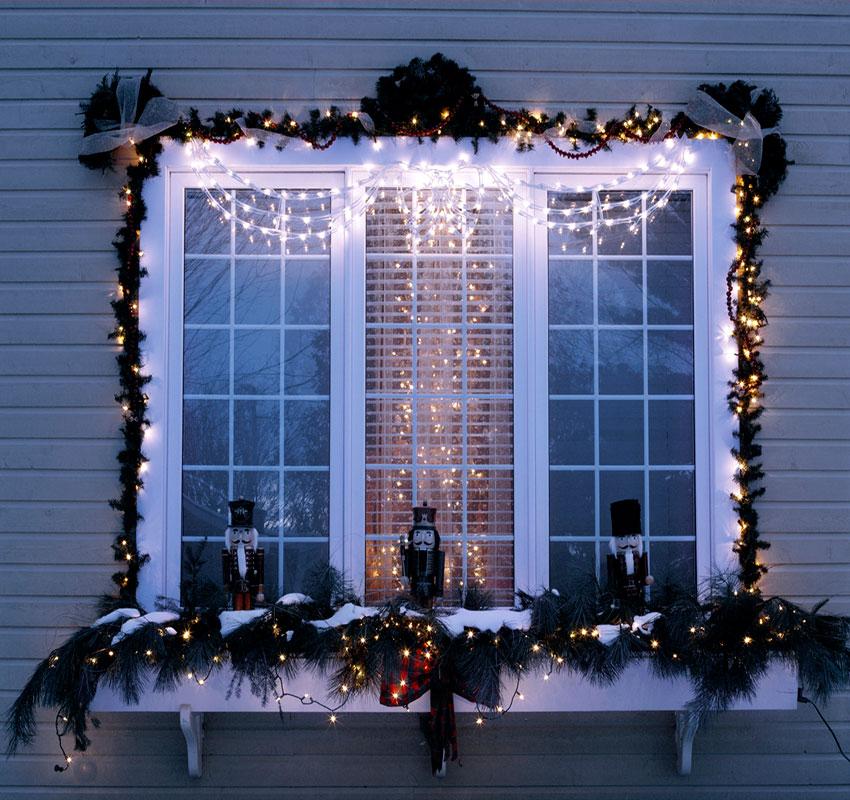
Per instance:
(242,560)
(423,563)
(628,570)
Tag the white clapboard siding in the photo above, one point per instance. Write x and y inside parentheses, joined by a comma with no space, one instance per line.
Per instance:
(59,424)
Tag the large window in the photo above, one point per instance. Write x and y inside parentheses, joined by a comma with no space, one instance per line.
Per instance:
(520,377)
(256,381)
(439,386)
(621,383)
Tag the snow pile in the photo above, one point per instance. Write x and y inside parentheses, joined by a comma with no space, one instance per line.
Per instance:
(154,618)
(294,599)
(490,619)
(114,616)
(231,620)
(345,614)
(642,624)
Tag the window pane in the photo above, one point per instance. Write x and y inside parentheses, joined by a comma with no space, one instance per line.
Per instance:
(306,368)
(572,506)
(620,362)
(206,360)
(620,324)
(257,287)
(570,292)
(256,367)
(570,564)
(205,231)
(671,503)
(306,426)
(668,231)
(256,335)
(308,294)
(300,561)
(570,362)
(620,432)
(206,291)
(670,292)
(439,384)
(571,432)
(256,432)
(204,503)
(571,214)
(671,432)
(671,362)
(620,292)
(205,428)
(306,510)
(617,207)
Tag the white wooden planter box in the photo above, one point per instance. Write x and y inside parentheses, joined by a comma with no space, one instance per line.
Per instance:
(637,689)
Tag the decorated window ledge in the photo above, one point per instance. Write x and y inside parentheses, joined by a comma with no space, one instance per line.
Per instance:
(589,646)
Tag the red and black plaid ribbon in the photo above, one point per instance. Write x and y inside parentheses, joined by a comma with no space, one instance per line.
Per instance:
(417,675)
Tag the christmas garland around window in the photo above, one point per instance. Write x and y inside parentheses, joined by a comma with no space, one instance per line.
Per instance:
(723,641)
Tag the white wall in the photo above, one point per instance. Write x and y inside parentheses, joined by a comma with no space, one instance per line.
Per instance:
(59,424)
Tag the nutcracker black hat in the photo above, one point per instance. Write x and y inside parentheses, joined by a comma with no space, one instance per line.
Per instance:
(424,517)
(625,518)
(241,513)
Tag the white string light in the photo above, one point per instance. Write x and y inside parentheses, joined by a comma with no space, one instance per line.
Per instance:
(437,200)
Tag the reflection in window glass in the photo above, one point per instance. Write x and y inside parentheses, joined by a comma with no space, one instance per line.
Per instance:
(256,385)
(439,396)
(621,383)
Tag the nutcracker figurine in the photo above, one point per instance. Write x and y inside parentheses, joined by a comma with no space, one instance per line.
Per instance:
(243,562)
(422,561)
(628,574)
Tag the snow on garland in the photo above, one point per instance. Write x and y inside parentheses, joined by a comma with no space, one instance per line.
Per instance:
(723,645)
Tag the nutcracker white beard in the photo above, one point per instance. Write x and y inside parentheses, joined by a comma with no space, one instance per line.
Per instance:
(241,539)
(628,547)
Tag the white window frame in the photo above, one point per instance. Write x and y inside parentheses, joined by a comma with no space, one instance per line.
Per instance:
(710,176)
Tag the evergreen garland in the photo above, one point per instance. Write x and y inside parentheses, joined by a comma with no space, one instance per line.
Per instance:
(723,644)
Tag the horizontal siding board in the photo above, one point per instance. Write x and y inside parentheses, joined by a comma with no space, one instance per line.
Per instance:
(59,360)
(55,579)
(42,391)
(176,52)
(825,333)
(810,395)
(780,516)
(809,424)
(807,301)
(29,485)
(28,517)
(799,456)
(60,422)
(25,329)
(479,22)
(305,83)
(810,548)
(59,455)
(77,298)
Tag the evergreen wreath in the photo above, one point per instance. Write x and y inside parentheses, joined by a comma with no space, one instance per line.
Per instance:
(722,640)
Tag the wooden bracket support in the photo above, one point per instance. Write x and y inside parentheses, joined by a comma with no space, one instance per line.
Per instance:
(192,725)
(687,724)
